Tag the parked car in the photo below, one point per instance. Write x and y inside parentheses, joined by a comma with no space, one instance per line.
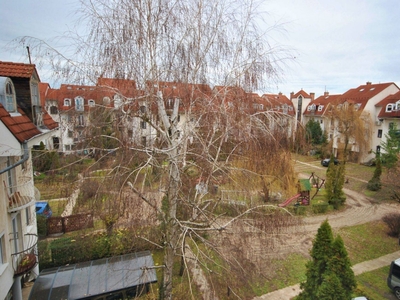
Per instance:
(393,280)
(43,209)
(359,298)
(325,162)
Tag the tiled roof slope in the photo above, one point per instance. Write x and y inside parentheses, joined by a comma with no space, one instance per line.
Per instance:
(10,69)
(363,93)
(323,100)
(20,126)
(302,93)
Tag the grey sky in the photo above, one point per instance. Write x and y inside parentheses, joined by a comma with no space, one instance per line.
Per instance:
(339,44)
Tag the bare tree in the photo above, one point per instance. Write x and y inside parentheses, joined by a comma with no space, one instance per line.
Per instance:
(195,61)
(352,129)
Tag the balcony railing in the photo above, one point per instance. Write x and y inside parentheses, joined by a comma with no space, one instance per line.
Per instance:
(20,196)
(24,261)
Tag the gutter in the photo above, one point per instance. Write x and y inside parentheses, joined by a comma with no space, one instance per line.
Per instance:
(21,161)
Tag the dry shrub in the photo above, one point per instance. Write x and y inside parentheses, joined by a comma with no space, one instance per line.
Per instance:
(392,220)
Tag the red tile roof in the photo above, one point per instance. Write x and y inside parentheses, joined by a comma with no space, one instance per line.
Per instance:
(20,126)
(10,69)
(302,93)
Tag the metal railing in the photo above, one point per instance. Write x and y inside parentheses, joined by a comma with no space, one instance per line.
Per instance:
(24,261)
(19,196)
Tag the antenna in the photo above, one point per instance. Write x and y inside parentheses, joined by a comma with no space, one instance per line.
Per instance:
(29,54)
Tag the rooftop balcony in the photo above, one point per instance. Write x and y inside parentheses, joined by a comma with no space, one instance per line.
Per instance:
(24,261)
(19,196)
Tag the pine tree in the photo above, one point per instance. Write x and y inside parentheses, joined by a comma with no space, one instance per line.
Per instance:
(320,253)
(391,147)
(329,274)
(375,183)
(334,183)
(340,265)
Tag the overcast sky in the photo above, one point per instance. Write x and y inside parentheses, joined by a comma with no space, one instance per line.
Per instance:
(339,44)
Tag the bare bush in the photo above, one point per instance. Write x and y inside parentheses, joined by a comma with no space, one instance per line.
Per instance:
(392,220)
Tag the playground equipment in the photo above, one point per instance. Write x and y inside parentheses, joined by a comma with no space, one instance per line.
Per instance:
(303,195)
(287,201)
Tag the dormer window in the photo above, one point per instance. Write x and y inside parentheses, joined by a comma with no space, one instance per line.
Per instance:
(67,102)
(106,101)
(79,104)
(311,107)
(7,94)
(398,105)
(357,106)
(91,103)
(389,107)
(320,107)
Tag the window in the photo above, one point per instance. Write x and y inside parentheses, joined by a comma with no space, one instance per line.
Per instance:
(10,98)
(53,110)
(144,141)
(91,103)
(81,120)
(15,234)
(357,106)
(35,94)
(2,250)
(28,215)
(379,133)
(67,102)
(11,176)
(389,107)
(70,134)
(67,147)
(143,124)
(378,149)
(142,109)
(320,107)
(79,104)
(398,105)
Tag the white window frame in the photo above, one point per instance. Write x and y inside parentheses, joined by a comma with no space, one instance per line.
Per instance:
(91,103)
(389,107)
(35,94)
(67,102)
(320,107)
(10,97)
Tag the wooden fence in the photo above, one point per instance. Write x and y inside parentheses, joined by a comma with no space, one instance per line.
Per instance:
(70,223)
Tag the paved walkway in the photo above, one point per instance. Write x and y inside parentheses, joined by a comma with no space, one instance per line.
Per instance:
(366,266)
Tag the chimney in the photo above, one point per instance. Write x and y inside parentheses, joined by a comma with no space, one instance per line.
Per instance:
(326,94)
(280,94)
(312,95)
(291,95)
(369,82)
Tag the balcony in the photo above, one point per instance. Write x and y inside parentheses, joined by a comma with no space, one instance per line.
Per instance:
(24,261)
(19,196)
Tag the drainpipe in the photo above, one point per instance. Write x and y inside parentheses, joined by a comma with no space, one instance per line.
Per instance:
(21,161)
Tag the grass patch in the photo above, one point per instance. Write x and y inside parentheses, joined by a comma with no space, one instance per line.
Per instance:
(368,241)
(57,206)
(288,271)
(373,285)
